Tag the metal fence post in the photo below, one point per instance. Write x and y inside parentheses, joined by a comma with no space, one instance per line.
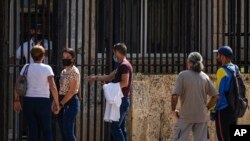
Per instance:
(108,44)
(3,70)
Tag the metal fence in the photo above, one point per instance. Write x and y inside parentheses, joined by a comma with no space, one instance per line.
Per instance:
(159,35)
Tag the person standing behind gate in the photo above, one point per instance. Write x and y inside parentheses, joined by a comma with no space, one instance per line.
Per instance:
(37,38)
(123,75)
(36,102)
(69,102)
(223,113)
(192,86)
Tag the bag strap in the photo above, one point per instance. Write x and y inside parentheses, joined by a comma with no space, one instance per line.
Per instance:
(236,72)
(26,70)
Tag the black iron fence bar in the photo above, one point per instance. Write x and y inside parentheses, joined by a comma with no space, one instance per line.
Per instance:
(100,43)
(172,32)
(158,43)
(143,34)
(95,96)
(149,31)
(232,24)
(201,47)
(139,33)
(89,68)
(223,20)
(160,34)
(76,28)
(246,36)
(130,29)
(14,54)
(238,30)
(76,47)
(184,31)
(211,35)
(218,23)
(154,32)
(82,71)
(48,25)
(197,26)
(179,37)
(8,100)
(206,33)
(69,24)
(166,37)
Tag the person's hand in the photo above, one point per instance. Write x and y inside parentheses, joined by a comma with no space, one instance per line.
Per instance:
(55,108)
(176,113)
(17,106)
(90,79)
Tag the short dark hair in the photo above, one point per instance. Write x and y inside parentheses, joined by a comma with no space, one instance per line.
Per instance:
(121,47)
(37,52)
(70,51)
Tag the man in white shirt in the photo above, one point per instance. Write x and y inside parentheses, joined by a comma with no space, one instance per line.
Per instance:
(36,38)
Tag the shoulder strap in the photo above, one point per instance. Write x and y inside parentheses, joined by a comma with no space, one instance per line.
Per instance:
(236,72)
(26,70)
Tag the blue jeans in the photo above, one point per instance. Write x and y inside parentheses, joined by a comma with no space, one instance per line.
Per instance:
(118,129)
(66,118)
(37,112)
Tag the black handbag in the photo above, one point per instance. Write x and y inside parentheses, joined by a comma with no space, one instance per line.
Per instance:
(21,83)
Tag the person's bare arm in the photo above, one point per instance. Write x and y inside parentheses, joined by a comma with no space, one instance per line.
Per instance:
(212,101)
(109,77)
(125,80)
(54,92)
(17,104)
(174,101)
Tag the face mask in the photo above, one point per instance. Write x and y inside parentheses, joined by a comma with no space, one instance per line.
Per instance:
(115,59)
(66,62)
(39,37)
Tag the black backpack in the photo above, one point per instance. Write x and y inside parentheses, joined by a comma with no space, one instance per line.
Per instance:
(236,95)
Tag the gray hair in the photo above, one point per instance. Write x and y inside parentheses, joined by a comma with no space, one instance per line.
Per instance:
(196,59)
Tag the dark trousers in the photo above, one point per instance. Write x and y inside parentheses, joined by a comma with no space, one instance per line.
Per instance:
(224,118)
(66,118)
(118,129)
(37,113)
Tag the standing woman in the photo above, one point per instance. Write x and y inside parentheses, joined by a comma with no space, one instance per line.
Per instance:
(36,102)
(69,102)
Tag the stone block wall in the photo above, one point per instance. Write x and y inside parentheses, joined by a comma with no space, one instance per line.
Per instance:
(150,117)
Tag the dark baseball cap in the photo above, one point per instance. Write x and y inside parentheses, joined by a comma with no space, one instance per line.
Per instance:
(225,50)
(36,26)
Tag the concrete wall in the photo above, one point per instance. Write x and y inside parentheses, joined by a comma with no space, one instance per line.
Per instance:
(150,117)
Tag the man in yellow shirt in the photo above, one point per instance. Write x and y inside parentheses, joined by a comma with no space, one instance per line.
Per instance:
(224,113)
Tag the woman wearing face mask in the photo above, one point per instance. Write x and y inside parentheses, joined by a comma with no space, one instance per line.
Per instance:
(69,102)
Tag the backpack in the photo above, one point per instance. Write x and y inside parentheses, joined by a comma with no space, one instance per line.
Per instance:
(21,83)
(236,96)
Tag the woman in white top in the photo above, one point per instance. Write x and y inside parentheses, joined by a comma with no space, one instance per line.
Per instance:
(69,102)
(36,102)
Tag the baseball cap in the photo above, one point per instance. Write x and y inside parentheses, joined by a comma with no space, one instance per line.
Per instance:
(225,50)
(36,26)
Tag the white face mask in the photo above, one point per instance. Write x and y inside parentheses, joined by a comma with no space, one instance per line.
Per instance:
(115,59)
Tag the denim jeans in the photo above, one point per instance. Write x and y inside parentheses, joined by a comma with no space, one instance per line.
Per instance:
(118,129)
(37,112)
(66,118)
